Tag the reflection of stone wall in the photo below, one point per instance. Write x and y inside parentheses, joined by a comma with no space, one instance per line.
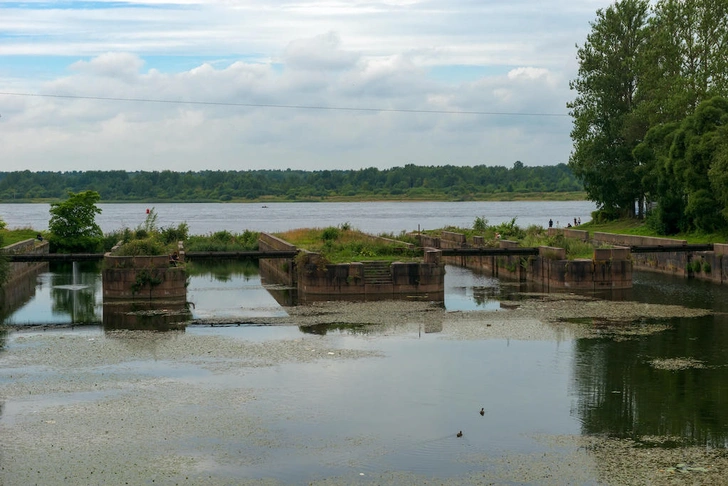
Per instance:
(145,315)
(22,280)
(153,274)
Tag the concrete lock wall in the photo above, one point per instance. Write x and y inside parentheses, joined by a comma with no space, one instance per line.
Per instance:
(30,247)
(143,277)
(711,266)
(348,279)
(282,271)
(315,279)
(608,269)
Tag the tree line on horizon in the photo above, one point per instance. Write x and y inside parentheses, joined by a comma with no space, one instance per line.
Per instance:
(650,116)
(411,181)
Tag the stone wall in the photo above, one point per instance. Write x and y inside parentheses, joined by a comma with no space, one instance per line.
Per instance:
(281,271)
(703,265)
(143,277)
(608,269)
(30,247)
(317,280)
(348,280)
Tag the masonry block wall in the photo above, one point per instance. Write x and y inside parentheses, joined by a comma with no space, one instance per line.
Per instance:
(609,269)
(279,270)
(153,276)
(703,265)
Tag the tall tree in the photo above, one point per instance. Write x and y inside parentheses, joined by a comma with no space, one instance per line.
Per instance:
(604,129)
(690,169)
(73,223)
(687,58)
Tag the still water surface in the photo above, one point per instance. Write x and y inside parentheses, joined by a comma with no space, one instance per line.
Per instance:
(370,217)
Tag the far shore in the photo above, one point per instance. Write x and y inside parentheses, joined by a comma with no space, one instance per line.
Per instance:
(503,197)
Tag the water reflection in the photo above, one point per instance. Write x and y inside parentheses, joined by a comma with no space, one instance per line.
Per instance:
(75,291)
(324,329)
(18,291)
(617,387)
(146,315)
(54,297)
(623,390)
(467,290)
(226,291)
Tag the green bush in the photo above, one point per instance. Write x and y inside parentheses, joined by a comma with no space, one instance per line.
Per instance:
(147,246)
(330,234)
(173,235)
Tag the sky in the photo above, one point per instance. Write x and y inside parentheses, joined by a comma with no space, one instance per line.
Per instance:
(192,85)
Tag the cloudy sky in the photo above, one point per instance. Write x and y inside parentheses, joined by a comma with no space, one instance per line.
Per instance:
(301,84)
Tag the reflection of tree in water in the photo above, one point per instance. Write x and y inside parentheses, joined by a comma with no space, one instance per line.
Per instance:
(621,394)
(223,270)
(80,304)
(323,329)
(481,295)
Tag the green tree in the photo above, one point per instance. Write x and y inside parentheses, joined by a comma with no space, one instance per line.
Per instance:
(687,58)
(73,223)
(605,131)
(690,169)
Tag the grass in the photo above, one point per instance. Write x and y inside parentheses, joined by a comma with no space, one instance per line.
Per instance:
(223,241)
(639,228)
(337,245)
(10,237)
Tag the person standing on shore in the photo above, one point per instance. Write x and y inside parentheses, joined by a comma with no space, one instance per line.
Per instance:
(551,223)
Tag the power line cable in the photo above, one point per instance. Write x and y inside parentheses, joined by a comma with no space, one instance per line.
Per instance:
(270,105)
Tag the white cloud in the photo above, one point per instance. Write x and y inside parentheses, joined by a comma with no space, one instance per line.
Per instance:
(245,59)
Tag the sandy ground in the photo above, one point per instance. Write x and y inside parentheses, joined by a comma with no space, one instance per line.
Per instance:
(92,435)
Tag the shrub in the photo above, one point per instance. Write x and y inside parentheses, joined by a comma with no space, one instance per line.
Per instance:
(148,246)
(173,235)
(480,224)
(330,234)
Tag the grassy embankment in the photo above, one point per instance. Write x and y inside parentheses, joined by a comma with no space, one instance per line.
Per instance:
(10,237)
(639,228)
(344,245)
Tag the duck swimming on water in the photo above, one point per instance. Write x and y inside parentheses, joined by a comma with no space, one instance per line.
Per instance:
(460,434)
(482,411)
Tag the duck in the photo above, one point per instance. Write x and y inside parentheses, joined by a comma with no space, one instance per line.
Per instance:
(460,434)
(482,411)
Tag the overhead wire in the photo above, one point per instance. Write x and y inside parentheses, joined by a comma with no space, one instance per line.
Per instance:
(284,106)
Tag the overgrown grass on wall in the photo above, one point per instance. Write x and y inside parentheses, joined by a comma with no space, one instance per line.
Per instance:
(343,245)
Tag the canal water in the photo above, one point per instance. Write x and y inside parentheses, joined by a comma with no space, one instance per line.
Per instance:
(392,410)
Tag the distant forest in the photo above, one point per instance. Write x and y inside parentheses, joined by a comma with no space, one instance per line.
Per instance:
(408,182)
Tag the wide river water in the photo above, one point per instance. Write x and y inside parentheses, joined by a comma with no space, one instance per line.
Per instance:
(370,217)
(342,403)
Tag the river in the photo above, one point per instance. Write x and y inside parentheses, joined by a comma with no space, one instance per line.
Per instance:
(370,217)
